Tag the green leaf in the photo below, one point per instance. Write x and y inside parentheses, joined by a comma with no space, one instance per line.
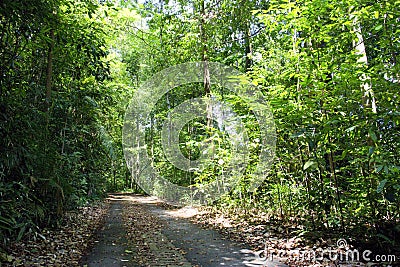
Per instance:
(385,238)
(351,128)
(377,28)
(378,168)
(381,186)
(21,233)
(5,257)
(309,164)
(371,150)
(372,135)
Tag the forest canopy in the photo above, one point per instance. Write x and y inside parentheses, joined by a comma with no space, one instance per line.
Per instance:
(329,69)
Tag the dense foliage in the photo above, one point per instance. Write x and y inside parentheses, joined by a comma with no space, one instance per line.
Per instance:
(329,69)
(53,70)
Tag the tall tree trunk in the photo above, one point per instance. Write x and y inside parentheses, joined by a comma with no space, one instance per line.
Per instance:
(332,166)
(204,51)
(204,58)
(136,177)
(49,69)
(248,47)
(368,97)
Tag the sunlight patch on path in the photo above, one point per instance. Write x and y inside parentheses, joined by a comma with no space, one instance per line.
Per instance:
(201,247)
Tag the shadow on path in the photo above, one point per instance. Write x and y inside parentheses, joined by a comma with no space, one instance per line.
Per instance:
(205,247)
(110,242)
(200,247)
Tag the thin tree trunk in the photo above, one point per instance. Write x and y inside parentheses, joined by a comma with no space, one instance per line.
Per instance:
(332,165)
(248,48)
(137,160)
(308,188)
(49,70)
(204,58)
(368,97)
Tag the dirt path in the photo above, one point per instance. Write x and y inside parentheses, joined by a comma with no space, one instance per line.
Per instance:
(205,247)
(110,242)
(140,231)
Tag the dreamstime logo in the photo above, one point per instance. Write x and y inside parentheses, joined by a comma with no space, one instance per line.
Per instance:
(342,253)
(140,116)
(341,243)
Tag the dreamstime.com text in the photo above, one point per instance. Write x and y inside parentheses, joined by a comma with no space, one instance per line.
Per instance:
(343,254)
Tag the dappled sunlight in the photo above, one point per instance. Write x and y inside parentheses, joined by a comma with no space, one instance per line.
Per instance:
(276,122)
(133,197)
(185,212)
